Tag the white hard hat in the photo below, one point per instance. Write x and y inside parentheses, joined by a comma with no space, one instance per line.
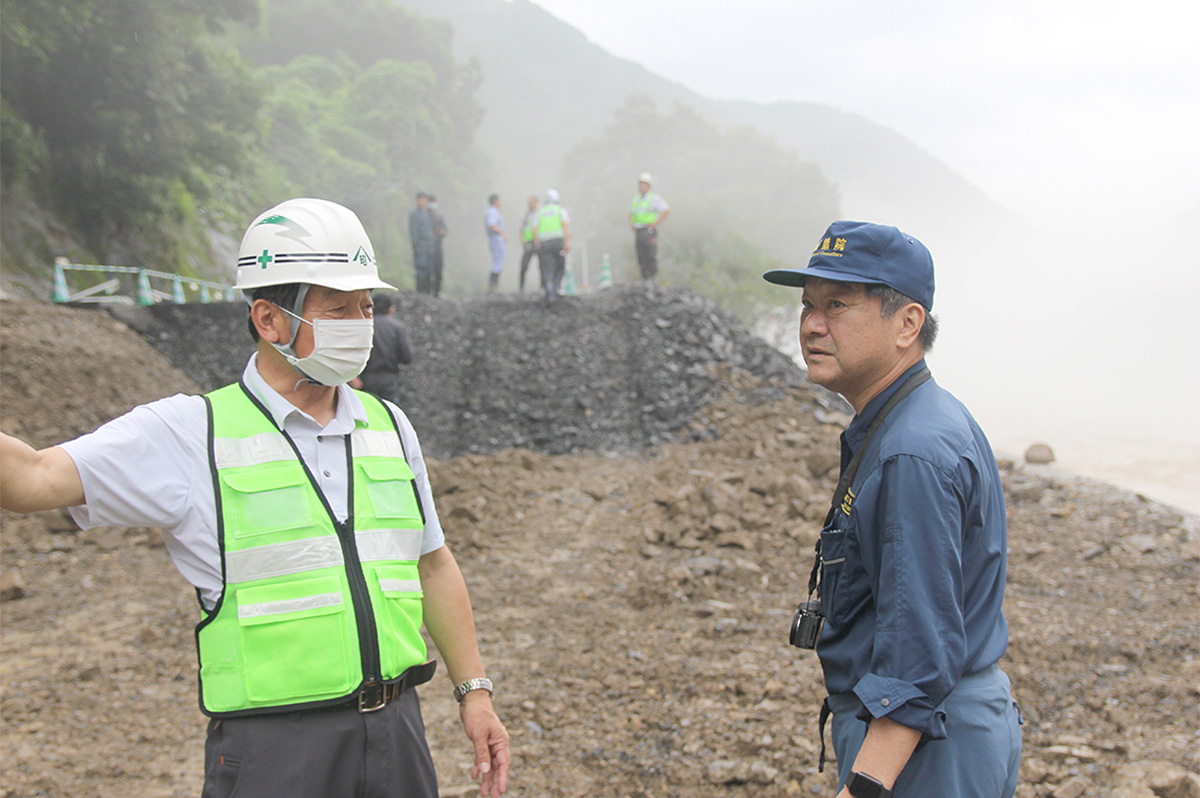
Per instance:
(311,241)
(644,177)
(551,195)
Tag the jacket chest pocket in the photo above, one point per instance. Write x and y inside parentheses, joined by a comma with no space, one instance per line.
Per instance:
(834,582)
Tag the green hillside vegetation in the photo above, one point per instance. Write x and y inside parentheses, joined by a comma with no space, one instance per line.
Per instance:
(143,133)
(136,126)
(123,119)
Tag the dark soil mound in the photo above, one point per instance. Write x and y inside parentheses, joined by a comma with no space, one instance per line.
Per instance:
(618,371)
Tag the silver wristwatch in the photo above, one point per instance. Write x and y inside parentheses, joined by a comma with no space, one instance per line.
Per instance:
(479,683)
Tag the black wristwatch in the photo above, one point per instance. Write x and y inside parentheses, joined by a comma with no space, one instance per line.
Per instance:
(861,785)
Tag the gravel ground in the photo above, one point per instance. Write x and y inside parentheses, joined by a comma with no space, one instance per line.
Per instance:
(632,485)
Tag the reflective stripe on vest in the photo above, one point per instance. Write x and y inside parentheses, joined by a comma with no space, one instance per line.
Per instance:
(550,222)
(643,216)
(310,608)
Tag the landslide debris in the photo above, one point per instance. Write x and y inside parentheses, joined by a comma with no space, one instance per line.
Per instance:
(632,600)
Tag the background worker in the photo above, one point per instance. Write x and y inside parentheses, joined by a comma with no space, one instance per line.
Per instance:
(390,350)
(647,212)
(552,238)
(301,512)
(424,243)
(912,558)
(528,222)
(493,223)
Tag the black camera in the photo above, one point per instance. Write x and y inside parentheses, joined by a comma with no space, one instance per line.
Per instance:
(806,624)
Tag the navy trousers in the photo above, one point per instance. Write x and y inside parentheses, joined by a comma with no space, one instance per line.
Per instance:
(980,757)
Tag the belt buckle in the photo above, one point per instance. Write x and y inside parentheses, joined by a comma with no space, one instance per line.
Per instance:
(372,697)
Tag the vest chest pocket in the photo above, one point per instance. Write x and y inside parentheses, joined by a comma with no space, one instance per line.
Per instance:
(293,637)
(266,499)
(390,488)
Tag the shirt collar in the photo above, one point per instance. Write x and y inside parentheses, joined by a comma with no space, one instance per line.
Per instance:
(861,422)
(349,413)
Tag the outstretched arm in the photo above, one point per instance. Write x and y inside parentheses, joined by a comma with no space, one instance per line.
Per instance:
(32,480)
(451,624)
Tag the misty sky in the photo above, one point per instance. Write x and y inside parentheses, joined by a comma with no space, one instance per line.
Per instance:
(1085,110)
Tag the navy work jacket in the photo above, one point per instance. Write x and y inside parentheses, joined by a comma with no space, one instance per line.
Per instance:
(913,575)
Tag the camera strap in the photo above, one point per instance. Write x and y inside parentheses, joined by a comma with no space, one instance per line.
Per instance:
(843,487)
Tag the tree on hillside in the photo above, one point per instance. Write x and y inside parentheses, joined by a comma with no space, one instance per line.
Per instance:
(740,203)
(143,124)
(125,116)
(364,105)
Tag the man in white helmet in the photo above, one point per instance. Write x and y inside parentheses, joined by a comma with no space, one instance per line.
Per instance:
(552,240)
(301,511)
(647,211)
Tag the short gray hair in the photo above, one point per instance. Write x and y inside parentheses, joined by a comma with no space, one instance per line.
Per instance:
(891,300)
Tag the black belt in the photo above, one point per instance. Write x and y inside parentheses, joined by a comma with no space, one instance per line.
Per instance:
(377,695)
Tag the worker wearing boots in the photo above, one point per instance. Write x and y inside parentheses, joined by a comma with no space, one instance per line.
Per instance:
(646,213)
(302,513)
(910,570)
(552,240)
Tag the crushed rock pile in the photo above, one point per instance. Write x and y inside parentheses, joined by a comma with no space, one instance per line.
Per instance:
(632,606)
(617,371)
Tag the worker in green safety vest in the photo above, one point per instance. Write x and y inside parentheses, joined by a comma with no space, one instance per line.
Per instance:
(301,512)
(552,239)
(648,210)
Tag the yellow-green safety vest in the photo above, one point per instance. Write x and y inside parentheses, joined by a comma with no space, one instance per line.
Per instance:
(550,224)
(311,609)
(643,216)
(527,223)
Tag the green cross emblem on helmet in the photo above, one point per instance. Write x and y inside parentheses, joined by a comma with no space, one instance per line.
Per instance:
(264,259)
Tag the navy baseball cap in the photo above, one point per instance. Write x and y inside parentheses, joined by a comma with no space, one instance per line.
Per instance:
(861,252)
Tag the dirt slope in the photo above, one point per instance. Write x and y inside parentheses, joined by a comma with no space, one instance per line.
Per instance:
(633,609)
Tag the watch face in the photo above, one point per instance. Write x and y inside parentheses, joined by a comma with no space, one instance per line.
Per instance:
(861,785)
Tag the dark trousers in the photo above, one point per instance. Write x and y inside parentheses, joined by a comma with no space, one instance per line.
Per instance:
(423,266)
(322,754)
(646,241)
(526,255)
(439,261)
(979,758)
(552,262)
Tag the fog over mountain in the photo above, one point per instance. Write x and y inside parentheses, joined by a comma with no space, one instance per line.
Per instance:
(1079,336)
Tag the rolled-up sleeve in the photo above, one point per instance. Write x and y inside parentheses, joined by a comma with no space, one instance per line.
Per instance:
(915,570)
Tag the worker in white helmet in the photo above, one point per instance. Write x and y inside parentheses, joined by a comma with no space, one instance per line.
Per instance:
(647,211)
(552,239)
(301,511)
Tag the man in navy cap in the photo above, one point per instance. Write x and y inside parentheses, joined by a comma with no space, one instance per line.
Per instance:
(911,561)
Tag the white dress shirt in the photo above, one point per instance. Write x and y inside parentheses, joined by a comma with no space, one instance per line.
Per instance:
(150,468)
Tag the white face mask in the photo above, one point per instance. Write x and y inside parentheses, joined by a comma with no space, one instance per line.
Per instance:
(340,350)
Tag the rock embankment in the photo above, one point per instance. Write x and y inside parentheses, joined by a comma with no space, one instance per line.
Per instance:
(618,371)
